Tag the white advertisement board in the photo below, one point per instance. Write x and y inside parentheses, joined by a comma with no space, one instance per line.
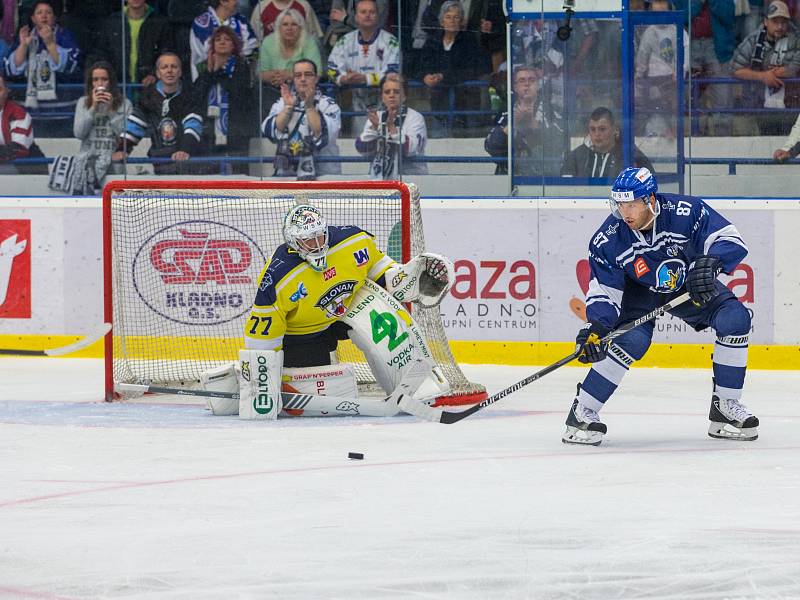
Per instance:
(53,284)
(521,268)
(522,271)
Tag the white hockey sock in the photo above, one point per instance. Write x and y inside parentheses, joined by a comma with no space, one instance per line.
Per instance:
(731,350)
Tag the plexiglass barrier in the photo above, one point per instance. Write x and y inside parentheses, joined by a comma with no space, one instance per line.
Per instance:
(466,99)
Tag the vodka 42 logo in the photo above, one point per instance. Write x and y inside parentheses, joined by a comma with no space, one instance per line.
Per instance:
(385,326)
(197,272)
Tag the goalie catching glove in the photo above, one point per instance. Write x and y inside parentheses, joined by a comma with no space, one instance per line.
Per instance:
(424,279)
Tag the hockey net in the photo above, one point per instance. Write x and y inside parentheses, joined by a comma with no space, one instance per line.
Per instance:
(182,260)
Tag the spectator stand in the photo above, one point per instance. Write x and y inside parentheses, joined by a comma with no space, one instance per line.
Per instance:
(697,111)
(573,113)
(55,117)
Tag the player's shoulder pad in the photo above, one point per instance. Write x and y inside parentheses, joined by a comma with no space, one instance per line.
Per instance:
(682,211)
(282,262)
(672,202)
(338,234)
(605,239)
(608,230)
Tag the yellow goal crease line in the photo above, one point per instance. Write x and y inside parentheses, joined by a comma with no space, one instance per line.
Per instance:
(775,357)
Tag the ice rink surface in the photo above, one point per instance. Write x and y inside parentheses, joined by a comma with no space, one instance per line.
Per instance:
(159,500)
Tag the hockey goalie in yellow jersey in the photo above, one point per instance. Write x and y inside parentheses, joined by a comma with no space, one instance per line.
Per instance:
(326,284)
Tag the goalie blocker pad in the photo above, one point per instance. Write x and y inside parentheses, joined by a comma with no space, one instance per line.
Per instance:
(425,279)
(390,339)
(222,379)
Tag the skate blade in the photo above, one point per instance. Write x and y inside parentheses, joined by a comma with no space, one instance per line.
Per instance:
(726,431)
(581,437)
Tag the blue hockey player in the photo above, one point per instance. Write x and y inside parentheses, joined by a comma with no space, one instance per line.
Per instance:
(653,248)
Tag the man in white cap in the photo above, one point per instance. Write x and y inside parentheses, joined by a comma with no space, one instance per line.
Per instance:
(767,57)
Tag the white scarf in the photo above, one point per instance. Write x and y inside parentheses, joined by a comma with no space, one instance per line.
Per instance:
(41,77)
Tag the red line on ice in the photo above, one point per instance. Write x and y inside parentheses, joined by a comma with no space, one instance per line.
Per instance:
(583,455)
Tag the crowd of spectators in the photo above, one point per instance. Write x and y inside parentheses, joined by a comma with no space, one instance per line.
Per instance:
(202,78)
(210,75)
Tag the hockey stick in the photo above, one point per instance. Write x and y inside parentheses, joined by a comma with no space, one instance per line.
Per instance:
(448,417)
(333,405)
(87,340)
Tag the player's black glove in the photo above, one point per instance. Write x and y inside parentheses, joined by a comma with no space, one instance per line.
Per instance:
(701,280)
(588,339)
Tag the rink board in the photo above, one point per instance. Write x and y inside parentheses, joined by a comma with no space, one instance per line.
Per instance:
(520,266)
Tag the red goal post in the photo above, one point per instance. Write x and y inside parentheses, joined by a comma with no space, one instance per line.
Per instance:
(182,258)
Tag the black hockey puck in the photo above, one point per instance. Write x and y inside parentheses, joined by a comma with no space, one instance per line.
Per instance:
(355,455)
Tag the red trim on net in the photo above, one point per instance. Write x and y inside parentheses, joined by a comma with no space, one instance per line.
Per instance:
(405,214)
(227,184)
(461,399)
(108,300)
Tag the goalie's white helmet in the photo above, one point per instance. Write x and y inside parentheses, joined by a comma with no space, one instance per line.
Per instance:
(306,231)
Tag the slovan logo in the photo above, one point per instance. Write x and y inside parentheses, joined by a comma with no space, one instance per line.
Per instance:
(333,300)
(197,272)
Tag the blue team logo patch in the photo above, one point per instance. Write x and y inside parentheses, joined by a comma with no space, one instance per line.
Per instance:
(362,257)
(332,301)
(266,282)
(301,293)
(670,275)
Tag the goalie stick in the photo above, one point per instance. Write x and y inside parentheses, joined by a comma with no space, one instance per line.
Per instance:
(388,407)
(87,340)
(449,417)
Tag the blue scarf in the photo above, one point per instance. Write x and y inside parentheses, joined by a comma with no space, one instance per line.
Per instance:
(218,105)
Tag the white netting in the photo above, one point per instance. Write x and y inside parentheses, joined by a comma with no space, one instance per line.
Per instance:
(186,261)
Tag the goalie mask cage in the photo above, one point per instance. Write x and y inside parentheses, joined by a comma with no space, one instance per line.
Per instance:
(182,260)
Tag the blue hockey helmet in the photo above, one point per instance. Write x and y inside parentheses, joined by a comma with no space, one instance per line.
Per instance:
(633,183)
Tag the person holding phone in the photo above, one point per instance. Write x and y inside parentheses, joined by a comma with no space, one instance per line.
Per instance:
(393,134)
(100,114)
(100,117)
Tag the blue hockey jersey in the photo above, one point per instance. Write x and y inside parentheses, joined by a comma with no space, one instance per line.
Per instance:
(657,259)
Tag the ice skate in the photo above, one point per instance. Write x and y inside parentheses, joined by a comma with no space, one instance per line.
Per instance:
(730,420)
(583,426)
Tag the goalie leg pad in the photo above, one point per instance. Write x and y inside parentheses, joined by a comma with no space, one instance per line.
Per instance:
(260,384)
(389,338)
(222,379)
(328,380)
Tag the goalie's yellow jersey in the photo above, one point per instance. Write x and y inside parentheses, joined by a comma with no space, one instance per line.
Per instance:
(294,299)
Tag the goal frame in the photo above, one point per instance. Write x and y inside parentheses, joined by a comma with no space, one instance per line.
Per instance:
(122,185)
(403,190)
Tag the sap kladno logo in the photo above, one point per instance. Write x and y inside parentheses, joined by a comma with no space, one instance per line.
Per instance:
(198,272)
